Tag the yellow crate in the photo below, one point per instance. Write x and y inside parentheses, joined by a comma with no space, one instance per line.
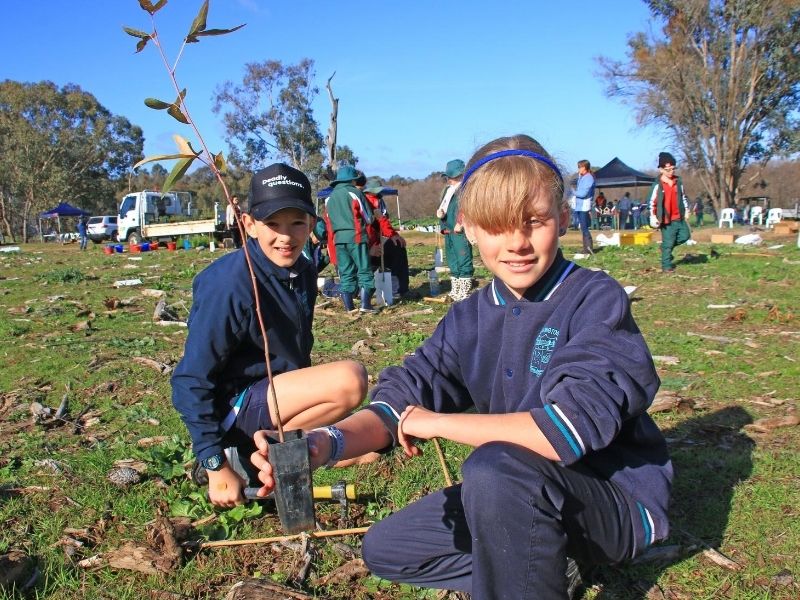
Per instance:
(638,238)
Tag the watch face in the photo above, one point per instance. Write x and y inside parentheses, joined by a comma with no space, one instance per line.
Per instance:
(213,463)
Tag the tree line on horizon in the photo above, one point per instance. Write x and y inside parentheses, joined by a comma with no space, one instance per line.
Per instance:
(721,76)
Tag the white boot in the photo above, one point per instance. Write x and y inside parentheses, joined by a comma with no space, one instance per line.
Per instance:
(455,284)
(466,287)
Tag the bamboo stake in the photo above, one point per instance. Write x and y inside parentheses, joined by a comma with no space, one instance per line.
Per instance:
(283,538)
(442,462)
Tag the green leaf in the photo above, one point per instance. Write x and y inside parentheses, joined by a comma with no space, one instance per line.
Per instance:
(140,45)
(218,31)
(150,7)
(237,512)
(184,147)
(174,111)
(199,23)
(158,157)
(178,171)
(156,103)
(136,33)
(219,162)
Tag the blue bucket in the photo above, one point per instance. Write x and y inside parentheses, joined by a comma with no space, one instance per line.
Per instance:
(144,247)
(119,248)
(187,245)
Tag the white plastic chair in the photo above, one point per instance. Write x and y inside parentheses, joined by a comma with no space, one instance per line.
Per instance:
(726,216)
(775,215)
(757,212)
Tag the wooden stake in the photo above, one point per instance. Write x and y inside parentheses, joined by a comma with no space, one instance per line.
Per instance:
(283,538)
(442,462)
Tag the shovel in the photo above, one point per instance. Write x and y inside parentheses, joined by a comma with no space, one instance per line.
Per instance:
(437,254)
(292,475)
(383,286)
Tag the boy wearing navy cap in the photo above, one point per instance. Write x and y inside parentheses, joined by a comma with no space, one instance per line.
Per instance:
(220,387)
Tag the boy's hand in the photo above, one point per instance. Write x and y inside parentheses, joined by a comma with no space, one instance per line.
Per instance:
(654,222)
(225,487)
(416,422)
(319,449)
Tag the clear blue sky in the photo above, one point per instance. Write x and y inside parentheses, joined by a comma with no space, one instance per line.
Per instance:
(419,82)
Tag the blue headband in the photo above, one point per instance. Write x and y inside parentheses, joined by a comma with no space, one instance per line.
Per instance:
(502,153)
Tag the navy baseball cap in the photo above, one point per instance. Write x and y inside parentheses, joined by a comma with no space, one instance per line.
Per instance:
(276,187)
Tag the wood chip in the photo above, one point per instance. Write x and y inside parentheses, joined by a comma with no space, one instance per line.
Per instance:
(712,338)
(171,323)
(361,348)
(768,424)
(720,559)
(347,573)
(134,558)
(667,360)
(132,463)
(93,562)
(153,364)
(153,293)
(257,589)
(151,441)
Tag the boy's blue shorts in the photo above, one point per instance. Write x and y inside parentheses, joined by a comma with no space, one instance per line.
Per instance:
(248,414)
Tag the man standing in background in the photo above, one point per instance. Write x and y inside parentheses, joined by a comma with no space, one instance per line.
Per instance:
(624,209)
(584,194)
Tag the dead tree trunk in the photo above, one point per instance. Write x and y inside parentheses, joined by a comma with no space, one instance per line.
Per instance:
(331,139)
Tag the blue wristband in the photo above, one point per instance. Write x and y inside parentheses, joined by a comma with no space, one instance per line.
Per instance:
(337,444)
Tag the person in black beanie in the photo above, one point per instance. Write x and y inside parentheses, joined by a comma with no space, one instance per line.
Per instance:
(669,210)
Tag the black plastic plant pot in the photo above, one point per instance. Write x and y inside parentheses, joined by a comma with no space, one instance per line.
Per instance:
(293,490)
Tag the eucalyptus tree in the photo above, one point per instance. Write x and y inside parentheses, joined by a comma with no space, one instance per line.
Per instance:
(59,143)
(268,115)
(723,77)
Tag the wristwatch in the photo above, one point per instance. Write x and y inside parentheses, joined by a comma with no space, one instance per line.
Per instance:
(213,462)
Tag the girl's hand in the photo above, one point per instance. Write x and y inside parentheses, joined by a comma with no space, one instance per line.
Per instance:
(415,423)
(319,447)
(260,460)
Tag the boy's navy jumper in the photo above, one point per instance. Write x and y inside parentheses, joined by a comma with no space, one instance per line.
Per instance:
(571,354)
(224,353)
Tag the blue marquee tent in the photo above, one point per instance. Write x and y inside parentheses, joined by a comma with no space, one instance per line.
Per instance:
(64,209)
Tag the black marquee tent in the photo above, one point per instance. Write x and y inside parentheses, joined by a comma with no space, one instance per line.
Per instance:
(617,174)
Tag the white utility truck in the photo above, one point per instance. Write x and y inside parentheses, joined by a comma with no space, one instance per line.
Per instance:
(163,216)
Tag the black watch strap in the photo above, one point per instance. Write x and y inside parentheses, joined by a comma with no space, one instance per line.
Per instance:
(214,462)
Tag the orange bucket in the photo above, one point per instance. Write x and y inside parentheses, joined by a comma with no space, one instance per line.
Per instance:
(172,246)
